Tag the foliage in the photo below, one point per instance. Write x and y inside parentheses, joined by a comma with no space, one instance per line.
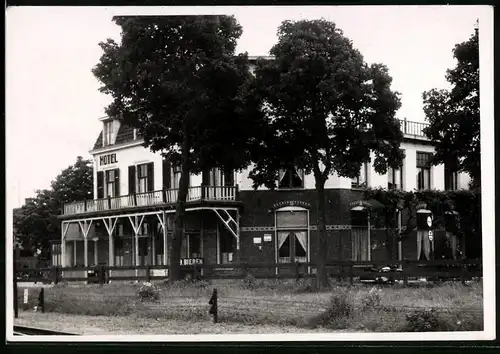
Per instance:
(372,299)
(454,114)
(325,111)
(149,292)
(422,321)
(177,80)
(36,222)
(338,311)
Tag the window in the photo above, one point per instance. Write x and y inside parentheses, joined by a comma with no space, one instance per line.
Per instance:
(361,180)
(450,178)
(109,133)
(191,245)
(177,177)
(423,170)
(56,254)
(142,178)
(395,178)
(360,240)
(292,236)
(111,185)
(291,178)
(227,245)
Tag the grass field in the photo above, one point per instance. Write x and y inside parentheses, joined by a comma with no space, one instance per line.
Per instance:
(251,306)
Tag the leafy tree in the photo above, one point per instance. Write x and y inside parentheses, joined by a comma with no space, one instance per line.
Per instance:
(454,114)
(325,110)
(36,222)
(177,79)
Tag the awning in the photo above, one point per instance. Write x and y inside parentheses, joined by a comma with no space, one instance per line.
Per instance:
(370,204)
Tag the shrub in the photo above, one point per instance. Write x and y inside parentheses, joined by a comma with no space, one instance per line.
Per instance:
(249,282)
(337,313)
(422,321)
(372,299)
(149,292)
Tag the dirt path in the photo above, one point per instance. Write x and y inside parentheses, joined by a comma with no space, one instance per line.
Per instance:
(132,325)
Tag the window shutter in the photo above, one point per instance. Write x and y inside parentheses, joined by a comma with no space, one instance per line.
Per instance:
(131,180)
(100,184)
(166,174)
(151,179)
(117,182)
(229,178)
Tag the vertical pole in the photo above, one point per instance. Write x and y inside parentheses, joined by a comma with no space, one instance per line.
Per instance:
(165,246)
(369,239)
(63,246)
(74,253)
(136,246)
(14,282)
(400,244)
(153,249)
(96,256)
(111,247)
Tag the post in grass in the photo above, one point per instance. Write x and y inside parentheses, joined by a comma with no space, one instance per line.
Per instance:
(213,308)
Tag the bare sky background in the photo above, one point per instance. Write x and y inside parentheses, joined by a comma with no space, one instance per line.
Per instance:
(53,102)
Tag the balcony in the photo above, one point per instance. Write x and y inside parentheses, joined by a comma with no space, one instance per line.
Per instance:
(150,199)
(413,129)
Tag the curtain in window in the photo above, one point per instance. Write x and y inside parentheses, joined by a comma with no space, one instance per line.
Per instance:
(302,238)
(282,237)
(300,173)
(359,244)
(419,243)
(281,174)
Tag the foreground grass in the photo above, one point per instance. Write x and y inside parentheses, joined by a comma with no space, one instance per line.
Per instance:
(281,304)
(136,325)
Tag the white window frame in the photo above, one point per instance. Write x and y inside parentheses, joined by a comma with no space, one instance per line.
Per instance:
(302,176)
(300,228)
(355,184)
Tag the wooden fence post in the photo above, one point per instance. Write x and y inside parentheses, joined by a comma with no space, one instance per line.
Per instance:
(148,273)
(102,275)
(41,300)
(405,273)
(297,270)
(462,272)
(213,309)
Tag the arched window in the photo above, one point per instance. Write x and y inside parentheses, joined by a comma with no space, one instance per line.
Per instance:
(292,236)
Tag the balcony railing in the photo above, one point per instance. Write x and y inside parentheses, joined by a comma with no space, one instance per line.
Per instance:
(202,193)
(414,129)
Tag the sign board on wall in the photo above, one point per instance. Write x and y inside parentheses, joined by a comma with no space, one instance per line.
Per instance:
(257,240)
(107,159)
(268,237)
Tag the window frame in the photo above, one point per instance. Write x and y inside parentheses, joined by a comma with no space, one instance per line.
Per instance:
(292,228)
(355,184)
(140,177)
(391,175)
(292,170)
(422,168)
(110,181)
(449,173)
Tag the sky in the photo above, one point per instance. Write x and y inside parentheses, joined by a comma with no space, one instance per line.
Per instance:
(52,98)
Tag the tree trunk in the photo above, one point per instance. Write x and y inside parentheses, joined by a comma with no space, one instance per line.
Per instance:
(321,274)
(178,235)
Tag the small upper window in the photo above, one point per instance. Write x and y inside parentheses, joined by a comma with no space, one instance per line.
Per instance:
(291,178)
(109,133)
(361,180)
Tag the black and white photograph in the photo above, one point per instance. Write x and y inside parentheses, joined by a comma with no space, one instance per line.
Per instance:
(250,173)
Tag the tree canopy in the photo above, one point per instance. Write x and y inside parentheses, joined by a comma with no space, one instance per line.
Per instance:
(36,222)
(326,111)
(454,114)
(178,81)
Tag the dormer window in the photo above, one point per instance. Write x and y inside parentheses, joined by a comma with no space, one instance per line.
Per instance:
(109,133)
(291,178)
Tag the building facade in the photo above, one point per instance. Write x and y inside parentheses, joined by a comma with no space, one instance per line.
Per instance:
(129,221)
